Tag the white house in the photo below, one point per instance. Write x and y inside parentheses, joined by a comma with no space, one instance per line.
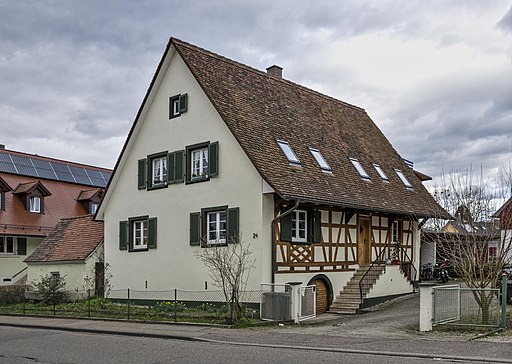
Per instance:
(219,149)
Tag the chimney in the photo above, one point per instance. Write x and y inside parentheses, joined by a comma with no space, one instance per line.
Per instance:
(275,71)
(2,146)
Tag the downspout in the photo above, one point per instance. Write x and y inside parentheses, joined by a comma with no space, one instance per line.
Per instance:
(287,212)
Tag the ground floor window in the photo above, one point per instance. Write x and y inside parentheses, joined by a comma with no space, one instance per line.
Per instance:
(140,234)
(217,227)
(6,245)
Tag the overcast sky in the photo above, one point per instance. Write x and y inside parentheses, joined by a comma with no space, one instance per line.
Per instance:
(435,76)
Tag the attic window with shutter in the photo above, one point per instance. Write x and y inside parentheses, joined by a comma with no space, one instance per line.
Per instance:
(202,161)
(138,234)
(320,160)
(177,105)
(359,168)
(381,173)
(404,179)
(289,153)
(214,226)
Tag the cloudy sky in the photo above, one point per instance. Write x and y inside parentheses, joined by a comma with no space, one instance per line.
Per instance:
(435,76)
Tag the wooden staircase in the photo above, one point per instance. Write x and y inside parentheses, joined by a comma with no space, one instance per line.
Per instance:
(349,301)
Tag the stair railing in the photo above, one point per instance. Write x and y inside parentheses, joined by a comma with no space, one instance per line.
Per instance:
(406,266)
(366,281)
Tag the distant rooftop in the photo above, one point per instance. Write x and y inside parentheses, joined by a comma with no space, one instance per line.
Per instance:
(48,168)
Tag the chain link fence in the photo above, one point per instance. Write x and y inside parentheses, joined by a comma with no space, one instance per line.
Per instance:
(466,306)
(276,302)
(166,305)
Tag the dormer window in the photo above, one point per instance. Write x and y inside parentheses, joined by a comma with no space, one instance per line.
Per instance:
(288,152)
(177,105)
(32,195)
(4,187)
(320,160)
(404,179)
(359,168)
(381,173)
(90,199)
(34,203)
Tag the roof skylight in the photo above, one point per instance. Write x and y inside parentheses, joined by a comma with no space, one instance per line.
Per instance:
(381,173)
(359,168)
(403,178)
(288,152)
(320,159)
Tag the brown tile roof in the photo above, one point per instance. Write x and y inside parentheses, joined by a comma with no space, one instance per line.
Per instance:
(72,239)
(86,195)
(25,188)
(259,108)
(4,186)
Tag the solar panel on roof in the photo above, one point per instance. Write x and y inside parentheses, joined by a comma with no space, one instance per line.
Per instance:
(106,176)
(64,176)
(82,179)
(46,173)
(59,167)
(5,158)
(94,173)
(21,161)
(39,164)
(98,182)
(77,171)
(26,170)
(7,167)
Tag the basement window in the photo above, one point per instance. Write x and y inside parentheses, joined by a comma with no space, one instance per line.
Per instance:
(404,179)
(288,152)
(320,160)
(359,168)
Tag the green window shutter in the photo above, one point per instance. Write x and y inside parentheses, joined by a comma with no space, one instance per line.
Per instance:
(195,228)
(152,233)
(22,246)
(170,168)
(179,161)
(310,223)
(123,235)
(2,200)
(142,174)
(233,225)
(317,226)
(183,103)
(286,228)
(213,159)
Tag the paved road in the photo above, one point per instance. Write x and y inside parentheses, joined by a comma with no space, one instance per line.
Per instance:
(390,330)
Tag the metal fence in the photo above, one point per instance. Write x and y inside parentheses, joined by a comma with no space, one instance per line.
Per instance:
(275,302)
(167,305)
(466,306)
(307,302)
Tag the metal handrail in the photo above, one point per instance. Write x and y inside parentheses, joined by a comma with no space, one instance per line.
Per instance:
(362,280)
(24,269)
(409,261)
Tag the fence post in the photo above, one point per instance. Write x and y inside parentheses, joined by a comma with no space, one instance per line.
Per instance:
(89,303)
(295,296)
(24,298)
(426,306)
(175,304)
(504,287)
(128,304)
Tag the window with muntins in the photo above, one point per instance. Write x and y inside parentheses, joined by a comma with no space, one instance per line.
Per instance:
(299,226)
(394,231)
(288,152)
(202,161)
(140,234)
(199,164)
(217,227)
(159,171)
(324,166)
(6,245)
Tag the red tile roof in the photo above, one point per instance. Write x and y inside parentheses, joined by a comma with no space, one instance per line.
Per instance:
(259,109)
(25,188)
(72,239)
(86,195)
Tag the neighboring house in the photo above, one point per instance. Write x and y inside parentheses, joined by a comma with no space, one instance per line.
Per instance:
(504,214)
(73,250)
(219,150)
(35,193)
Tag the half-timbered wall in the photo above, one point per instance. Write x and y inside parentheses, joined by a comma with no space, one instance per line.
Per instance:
(338,249)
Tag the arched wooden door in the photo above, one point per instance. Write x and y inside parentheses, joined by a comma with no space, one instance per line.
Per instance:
(322,296)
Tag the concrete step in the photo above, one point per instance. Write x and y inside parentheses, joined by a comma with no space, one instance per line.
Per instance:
(343,312)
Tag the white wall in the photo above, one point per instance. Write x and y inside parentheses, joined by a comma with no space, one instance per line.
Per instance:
(73,273)
(172,264)
(391,282)
(10,264)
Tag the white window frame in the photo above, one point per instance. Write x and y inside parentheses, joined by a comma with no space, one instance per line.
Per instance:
(359,167)
(299,216)
(220,219)
(395,232)
(159,168)
(288,152)
(3,244)
(403,178)
(322,163)
(201,169)
(93,207)
(176,107)
(380,171)
(140,234)
(34,203)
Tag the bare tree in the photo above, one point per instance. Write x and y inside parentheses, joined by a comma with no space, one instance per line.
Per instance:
(229,267)
(472,243)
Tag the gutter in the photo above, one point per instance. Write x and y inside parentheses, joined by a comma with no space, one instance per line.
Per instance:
(279,217)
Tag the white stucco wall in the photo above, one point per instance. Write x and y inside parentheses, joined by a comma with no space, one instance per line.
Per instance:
(10,264)
(391,282)
(172,264)
(72,272)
